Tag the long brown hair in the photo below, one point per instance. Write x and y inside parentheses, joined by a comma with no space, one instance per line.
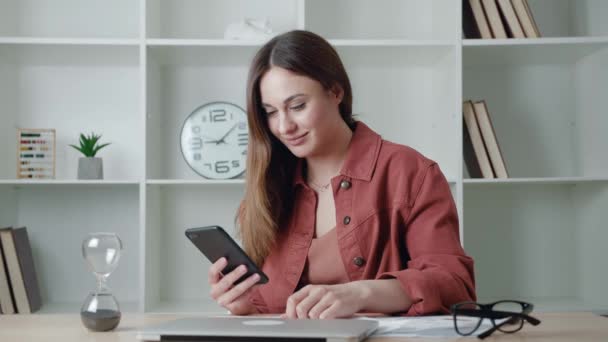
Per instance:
(270,165)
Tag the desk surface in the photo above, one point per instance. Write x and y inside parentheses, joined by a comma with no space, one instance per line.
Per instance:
(578,326)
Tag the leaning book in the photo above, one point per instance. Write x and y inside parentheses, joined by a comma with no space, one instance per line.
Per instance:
(21,271)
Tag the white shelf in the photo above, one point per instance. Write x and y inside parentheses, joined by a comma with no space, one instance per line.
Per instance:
(544,51)
(66,182)
(202,42)
(532,181)
(536,41)
(67,41)
(195,182)
(394,42)
(335,42)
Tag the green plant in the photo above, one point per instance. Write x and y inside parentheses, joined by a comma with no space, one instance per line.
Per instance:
(88,145)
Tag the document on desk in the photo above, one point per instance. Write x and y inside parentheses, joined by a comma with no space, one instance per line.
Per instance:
(423,326)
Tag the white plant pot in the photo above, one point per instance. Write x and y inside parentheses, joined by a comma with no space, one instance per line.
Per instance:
(90,168)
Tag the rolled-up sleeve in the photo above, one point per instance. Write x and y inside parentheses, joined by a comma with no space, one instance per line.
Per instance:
(439,273)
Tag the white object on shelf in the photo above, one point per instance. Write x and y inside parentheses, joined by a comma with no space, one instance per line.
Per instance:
(249,29)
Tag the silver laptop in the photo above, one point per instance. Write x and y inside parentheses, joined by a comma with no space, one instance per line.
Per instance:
(258,329)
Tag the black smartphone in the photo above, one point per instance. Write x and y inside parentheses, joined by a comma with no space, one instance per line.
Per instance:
(214,243)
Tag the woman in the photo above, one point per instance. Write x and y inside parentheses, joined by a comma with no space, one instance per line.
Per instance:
(341,220)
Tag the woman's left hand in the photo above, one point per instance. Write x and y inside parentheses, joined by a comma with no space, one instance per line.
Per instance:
(326,301)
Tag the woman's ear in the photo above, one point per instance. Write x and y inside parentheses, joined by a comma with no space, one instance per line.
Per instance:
(337,93)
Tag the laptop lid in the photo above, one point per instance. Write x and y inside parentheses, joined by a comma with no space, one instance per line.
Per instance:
(258,329)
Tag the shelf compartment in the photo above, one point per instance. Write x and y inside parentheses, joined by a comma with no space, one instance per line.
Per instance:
(540,242)
(544,51)
(175,270)
(73,89)
(58,218)
(394,19)
(570,18)
(179,81)
(547,105)
(191,19)
(564,19)
(395,92)
(70,18)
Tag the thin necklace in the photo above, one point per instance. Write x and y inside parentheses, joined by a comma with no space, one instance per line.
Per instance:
(319,187)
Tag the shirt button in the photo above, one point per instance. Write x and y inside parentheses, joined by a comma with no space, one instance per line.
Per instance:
(345,184)
(358,261)
(346,219)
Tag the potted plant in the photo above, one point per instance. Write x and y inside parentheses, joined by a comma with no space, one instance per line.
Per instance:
(89,166)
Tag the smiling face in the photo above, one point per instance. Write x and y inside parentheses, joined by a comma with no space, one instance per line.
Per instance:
(300,112)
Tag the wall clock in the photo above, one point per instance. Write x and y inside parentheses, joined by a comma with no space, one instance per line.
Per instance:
(214,140)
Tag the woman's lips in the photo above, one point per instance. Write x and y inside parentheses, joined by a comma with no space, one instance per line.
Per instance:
(297,140)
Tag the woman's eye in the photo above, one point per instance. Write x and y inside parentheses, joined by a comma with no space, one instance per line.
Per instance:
(298,107)
(270,112)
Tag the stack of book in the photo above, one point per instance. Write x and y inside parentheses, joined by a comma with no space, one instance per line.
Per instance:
(19,291)
(482,155)
(498,19)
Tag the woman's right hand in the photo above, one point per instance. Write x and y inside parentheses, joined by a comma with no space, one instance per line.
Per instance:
(235,298)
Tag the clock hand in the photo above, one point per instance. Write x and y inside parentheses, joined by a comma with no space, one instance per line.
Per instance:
(212,140)
(221,140)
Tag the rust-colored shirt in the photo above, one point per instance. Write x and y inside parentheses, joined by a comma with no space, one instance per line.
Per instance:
(396,218)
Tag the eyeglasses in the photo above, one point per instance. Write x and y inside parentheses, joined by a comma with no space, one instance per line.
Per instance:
(507,316)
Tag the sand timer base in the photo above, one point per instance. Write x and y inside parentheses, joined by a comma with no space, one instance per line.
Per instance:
(100,312)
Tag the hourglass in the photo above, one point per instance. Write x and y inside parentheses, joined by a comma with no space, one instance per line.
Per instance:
(100,311)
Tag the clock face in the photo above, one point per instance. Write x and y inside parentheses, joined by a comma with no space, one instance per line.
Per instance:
(214,140)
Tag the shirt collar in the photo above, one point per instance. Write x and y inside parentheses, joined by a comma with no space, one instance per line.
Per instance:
(361,157)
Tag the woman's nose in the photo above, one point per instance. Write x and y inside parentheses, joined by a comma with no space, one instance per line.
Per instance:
(286,125)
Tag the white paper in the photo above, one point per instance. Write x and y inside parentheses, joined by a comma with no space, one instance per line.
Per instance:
(423,326)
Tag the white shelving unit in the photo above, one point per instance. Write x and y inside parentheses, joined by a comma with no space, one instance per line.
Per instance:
(133,70)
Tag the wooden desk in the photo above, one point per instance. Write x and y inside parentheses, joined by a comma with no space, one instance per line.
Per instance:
(579,327)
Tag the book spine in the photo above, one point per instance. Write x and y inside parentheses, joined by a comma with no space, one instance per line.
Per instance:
(14,272)
(477,141)
(498,29)
(515,29)
(489,136)
(6,297)
(480,19)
